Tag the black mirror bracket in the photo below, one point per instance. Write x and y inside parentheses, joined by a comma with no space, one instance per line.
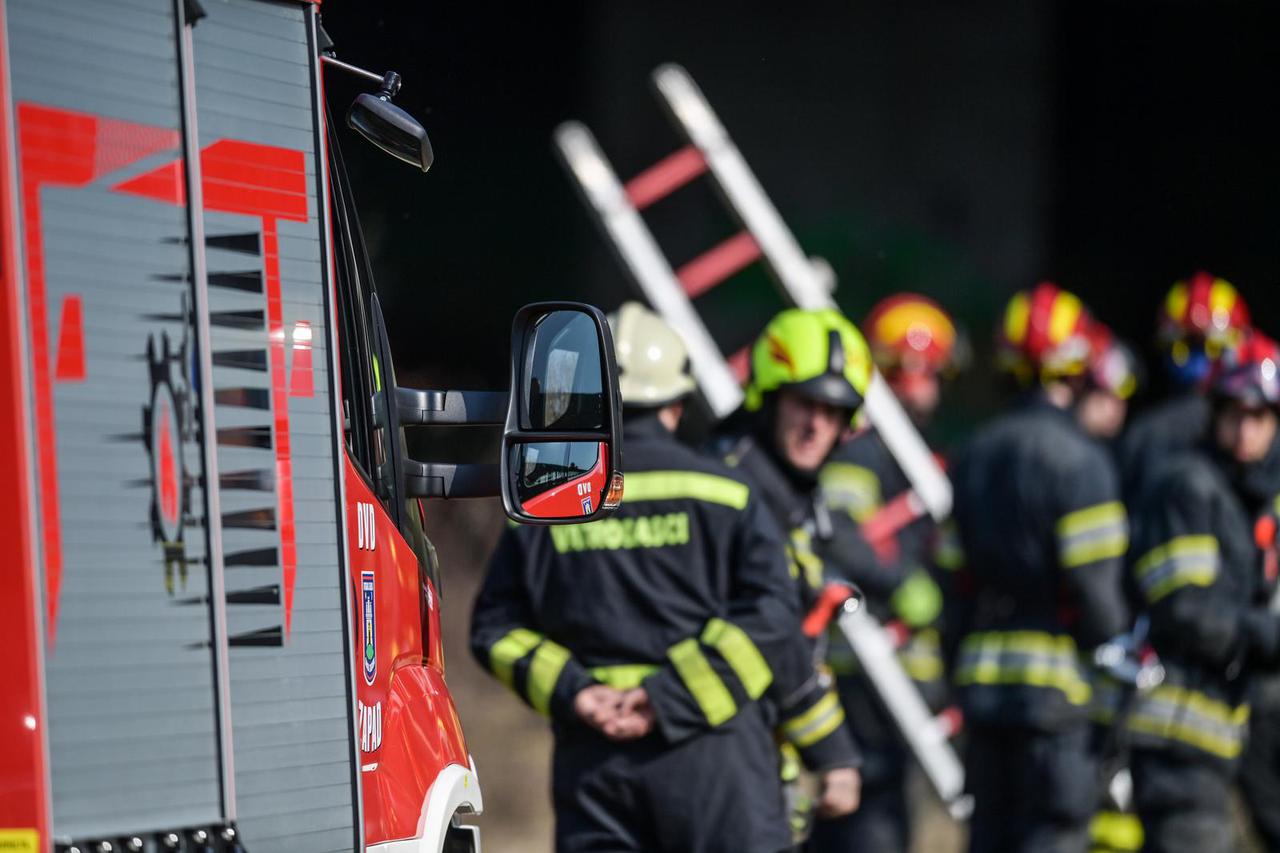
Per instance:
(449,480)
(390,86)
(451,408)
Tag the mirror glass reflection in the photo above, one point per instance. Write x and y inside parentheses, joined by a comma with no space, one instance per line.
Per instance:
(564,383)
(559,479)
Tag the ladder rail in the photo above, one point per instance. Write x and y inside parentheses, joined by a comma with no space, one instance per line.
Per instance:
(923,733)
(636,247)
(805,282)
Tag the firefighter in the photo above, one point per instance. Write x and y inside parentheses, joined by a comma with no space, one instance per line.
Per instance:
(1204,582)
(1111,381)
(1200,318)
(914,343)
(1037,507)
(650,637)
(809,372)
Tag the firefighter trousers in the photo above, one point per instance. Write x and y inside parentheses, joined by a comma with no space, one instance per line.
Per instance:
(717,792)
(1260,775)
(1184,805)
(1033,791)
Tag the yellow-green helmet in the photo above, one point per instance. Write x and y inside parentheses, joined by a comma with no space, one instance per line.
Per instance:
(816,352)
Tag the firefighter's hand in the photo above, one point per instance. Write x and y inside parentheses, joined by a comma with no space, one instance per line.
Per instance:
(597,705)
(841,792)
(635,716)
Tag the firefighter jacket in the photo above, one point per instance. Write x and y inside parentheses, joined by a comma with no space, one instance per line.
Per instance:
(1037,507)
(822,545)
(861,478)
(684,590)
(1170,427)
(1203,580)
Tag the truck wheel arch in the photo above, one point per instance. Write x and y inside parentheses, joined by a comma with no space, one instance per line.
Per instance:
(456,790)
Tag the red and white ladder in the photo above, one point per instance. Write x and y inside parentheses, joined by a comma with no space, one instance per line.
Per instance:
(804,282)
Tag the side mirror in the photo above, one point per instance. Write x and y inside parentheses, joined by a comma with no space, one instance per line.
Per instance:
(562,448)
(390,128)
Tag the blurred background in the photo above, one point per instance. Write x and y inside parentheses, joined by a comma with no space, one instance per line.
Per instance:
(960,150)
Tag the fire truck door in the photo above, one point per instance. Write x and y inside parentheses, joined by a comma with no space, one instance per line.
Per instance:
(266,252)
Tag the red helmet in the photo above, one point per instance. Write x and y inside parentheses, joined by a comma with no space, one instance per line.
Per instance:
(1113,366)
(1250,373)
(912,333)
(1203,308)
(1045,334)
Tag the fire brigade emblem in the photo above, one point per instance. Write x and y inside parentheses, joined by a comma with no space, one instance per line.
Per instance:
(369,627)
(168,421)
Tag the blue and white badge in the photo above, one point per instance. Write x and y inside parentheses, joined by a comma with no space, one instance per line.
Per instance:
(369,631)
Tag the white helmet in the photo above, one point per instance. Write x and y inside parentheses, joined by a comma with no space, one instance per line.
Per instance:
(653,364)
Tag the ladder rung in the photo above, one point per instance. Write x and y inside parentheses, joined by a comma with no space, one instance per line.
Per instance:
(740,364)
(666,176)
(715,265)
(885,523)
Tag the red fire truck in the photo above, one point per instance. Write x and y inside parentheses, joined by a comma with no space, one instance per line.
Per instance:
(220,626)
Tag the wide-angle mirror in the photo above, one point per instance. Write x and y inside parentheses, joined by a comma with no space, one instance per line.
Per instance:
(560,479)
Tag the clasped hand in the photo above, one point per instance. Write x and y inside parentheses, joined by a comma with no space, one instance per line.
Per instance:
(618,714)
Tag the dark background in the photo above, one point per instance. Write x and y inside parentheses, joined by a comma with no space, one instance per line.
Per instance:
(962,150)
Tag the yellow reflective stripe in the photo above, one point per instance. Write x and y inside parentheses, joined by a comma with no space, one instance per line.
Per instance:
(789,762)
(544,671)
(821,719)
(1182,561)
(1030,658)
(1179,546)
(741,653)
(922,668)
(511,648)
(377,375)
(852,488)
(1115,832)
(1099,532)
(1218,712)
(1170,712)
(804,562)
(1105,548)
(672,485)
(1223,747)
(921,657)
(702,682)
(623,676)
(1199,577)
(1089,518)
(948,554)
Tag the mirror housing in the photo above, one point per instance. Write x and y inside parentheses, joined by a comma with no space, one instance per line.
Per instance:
(374,117)
(562,446)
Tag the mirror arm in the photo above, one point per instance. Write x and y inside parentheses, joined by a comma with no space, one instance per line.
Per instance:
(390,82)
(449,480)
(451,408)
